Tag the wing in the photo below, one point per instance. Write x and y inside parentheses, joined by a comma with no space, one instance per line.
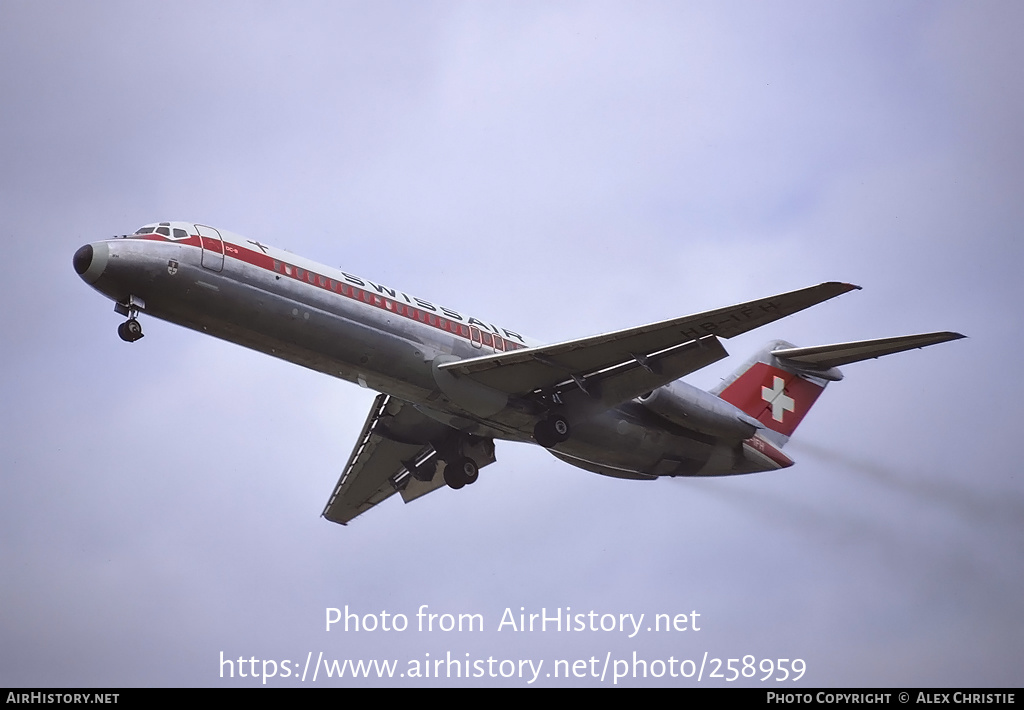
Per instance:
(394,442)
(526,370)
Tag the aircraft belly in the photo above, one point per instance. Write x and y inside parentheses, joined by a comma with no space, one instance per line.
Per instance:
(624,442)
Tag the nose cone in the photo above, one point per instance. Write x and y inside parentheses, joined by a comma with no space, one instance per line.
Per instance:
(83,259)
(90,261)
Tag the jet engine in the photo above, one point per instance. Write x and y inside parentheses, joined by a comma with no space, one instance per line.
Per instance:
(701,411)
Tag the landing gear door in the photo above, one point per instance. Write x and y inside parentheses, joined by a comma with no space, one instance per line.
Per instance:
(213,247)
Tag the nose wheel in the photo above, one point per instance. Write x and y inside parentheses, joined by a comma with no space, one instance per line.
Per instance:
(130,330)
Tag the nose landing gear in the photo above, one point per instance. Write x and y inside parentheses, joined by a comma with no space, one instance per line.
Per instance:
(131,329)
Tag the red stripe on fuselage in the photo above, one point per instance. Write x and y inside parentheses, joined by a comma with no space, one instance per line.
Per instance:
(284,269)
(762,446)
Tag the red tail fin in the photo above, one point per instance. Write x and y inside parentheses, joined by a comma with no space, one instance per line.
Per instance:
(776,398)
(772,393)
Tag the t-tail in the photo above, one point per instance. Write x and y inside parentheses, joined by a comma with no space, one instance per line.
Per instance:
(780,383)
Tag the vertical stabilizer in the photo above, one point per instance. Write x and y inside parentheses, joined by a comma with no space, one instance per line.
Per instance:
(777,394)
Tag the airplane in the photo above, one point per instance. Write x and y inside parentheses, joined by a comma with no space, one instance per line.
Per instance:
(452,383)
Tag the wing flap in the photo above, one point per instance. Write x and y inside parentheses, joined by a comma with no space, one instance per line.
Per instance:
(416,488)
(528,369)
(624,382)
(394,438)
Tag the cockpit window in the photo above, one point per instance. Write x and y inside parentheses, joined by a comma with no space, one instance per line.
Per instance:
(164,231)
(180,233)
(146,230)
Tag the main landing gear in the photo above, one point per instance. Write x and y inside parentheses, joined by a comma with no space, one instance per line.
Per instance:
(551,431)
(463,455)
(131,329)
(460,472)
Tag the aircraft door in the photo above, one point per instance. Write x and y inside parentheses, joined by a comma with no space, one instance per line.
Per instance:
(213,247)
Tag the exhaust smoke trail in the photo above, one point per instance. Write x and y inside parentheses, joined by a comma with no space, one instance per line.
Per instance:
(972,504)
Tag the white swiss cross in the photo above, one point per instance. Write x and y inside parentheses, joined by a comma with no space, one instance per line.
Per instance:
(780,402)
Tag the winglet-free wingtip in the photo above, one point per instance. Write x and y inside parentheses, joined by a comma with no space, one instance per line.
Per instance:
(946,336)
(838,288)
(833,289)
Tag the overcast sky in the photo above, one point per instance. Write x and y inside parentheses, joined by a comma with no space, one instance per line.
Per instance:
(563,169)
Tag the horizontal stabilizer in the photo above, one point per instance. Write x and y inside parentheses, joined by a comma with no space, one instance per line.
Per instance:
(825,356)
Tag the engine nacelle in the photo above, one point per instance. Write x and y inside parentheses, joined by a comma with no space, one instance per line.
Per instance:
(701,411)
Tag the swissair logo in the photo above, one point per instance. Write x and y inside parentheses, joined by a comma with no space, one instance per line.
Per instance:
(780,401)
